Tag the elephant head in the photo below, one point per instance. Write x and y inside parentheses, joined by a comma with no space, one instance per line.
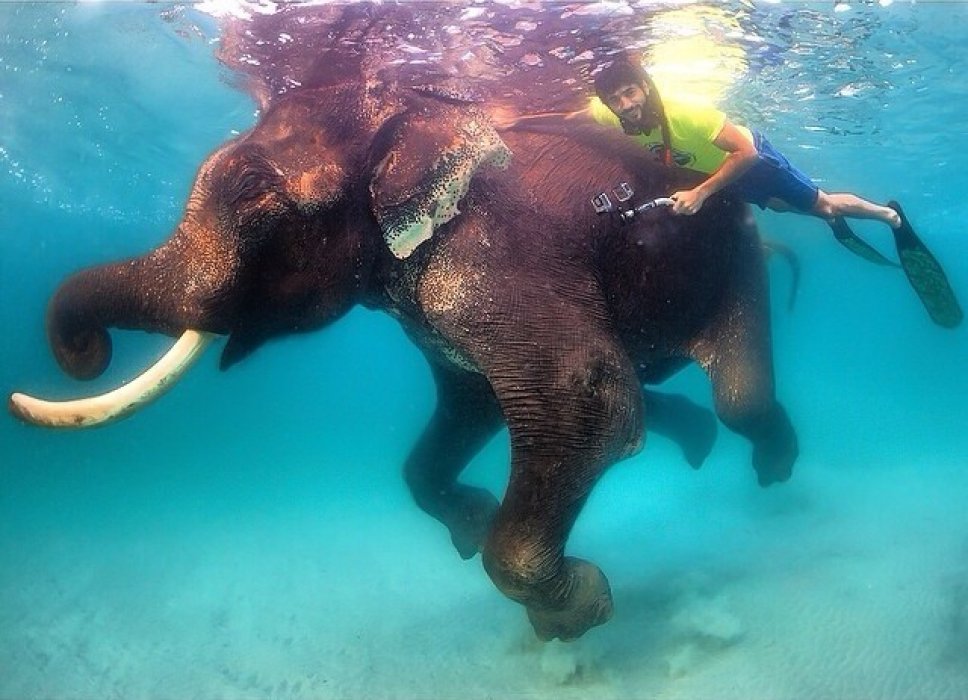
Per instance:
(281,234)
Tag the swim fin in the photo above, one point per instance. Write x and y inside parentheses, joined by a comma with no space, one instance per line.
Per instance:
(856,245)
(925,274)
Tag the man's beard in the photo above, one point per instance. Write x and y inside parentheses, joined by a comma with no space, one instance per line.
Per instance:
(643,124)
(631,127)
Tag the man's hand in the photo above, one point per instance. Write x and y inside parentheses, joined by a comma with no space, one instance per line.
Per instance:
(687,201)
(503,117)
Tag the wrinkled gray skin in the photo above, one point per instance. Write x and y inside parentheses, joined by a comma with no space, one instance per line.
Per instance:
(533,311)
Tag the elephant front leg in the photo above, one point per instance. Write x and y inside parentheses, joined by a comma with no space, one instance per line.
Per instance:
(466,417)
(538,327)
(564,434)
(564,596)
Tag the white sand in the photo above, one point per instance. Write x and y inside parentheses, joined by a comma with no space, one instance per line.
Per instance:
(831,588)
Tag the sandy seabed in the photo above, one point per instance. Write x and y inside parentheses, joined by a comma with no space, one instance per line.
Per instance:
(822,590)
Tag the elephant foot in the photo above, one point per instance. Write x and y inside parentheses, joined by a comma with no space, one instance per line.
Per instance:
(692,427)
(698,434)
(470,525)
(773,458)
(588,604)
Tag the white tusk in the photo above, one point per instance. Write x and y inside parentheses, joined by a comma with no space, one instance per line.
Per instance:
(116,404)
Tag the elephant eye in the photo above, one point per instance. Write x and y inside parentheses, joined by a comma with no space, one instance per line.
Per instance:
(252,181)
(250,185)
(250,176)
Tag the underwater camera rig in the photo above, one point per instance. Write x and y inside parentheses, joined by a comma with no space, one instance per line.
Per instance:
(624,212)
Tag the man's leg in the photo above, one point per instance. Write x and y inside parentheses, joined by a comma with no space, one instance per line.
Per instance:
(842,232)
(923,271)
(830,206)
(790,189)
(840,204)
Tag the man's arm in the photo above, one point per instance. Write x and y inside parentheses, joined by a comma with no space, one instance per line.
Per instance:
(742,156)
(503,122)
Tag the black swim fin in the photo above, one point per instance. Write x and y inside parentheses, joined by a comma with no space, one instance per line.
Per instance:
(925,274)
(857,245)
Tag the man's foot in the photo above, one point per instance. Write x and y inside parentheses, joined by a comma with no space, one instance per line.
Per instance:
(894,219)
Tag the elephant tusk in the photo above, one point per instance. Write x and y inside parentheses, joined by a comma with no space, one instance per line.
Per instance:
(116,404)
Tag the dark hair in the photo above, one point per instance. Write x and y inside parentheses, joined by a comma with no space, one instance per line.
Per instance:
(628,70)
(621,71)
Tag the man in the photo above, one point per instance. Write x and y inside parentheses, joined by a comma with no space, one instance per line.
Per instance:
(744,164)
(702,138)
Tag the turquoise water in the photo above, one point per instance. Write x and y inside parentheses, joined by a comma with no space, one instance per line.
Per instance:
(250,534)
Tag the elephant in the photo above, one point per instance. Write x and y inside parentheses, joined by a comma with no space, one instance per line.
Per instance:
(534,310)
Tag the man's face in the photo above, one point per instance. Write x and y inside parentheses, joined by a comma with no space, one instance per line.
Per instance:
(631,104)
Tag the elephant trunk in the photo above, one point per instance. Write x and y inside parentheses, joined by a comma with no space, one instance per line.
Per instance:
(151,293)
(175,289)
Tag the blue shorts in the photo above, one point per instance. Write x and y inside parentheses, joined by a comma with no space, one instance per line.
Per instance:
(774,177)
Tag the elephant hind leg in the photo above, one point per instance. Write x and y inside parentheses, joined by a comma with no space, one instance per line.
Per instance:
(766,424)
(744,397)
(737,354)
(466,417)
(777,449)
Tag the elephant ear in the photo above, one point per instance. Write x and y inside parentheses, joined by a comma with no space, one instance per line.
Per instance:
(427,168)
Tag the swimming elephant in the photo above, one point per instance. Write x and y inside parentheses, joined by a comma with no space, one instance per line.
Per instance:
(533,309)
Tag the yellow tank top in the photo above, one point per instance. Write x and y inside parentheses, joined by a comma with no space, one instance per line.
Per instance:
(692,129)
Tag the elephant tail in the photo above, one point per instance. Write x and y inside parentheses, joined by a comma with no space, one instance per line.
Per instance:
(772,248)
